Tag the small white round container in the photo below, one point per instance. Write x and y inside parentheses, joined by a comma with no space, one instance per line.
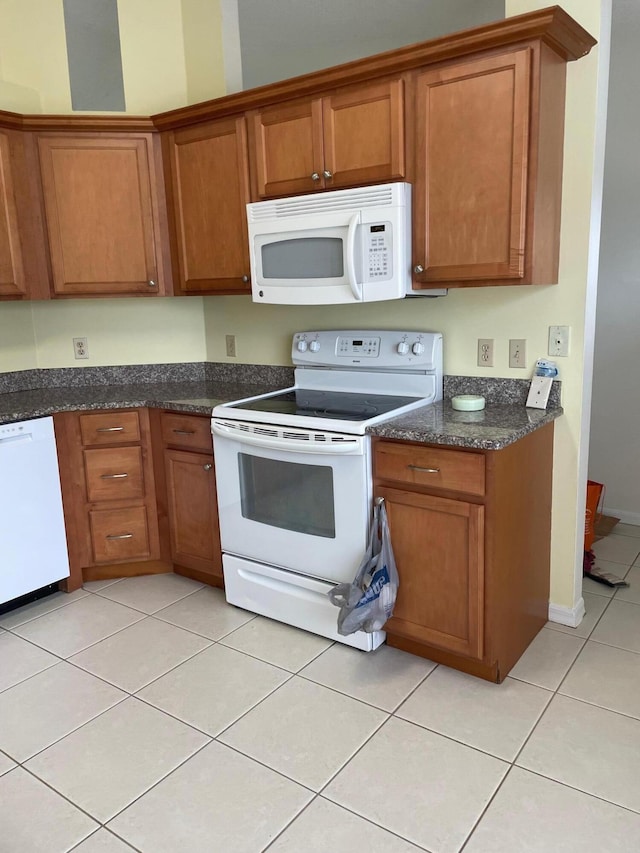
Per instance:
(468,403)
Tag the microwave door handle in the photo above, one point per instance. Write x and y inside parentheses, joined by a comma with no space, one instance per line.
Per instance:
(351,257)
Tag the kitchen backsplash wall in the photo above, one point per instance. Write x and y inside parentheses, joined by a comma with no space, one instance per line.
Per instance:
(17,341)
(119,331)
(263,332)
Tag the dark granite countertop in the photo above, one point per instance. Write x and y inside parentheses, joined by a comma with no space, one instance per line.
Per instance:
(495,427)
(197,397)
(197,388)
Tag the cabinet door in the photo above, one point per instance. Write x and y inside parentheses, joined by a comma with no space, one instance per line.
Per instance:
(12,281)
(439,546)
(99,205)
(193,511)
(287,148)
(210,188)
(363,129)
(471,170)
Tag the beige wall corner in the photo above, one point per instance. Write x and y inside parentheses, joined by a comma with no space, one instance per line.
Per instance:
(203,50)
(33,48)
(153,61)
(573,301)
(19,99)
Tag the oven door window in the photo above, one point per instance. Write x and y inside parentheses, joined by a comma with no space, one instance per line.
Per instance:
(289,495)
(304,258)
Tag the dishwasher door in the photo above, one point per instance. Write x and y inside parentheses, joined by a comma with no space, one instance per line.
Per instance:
(33,542)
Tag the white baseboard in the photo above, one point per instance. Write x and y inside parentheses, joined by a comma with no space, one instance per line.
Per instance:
(571,616)
(624,516)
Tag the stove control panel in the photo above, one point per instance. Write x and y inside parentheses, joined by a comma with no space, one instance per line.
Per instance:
(369,349)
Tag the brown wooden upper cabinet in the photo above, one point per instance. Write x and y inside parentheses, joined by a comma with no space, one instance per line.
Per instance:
(351,136)
(23,265)
(207,176)
(488,169)
(12,279)
(101,200)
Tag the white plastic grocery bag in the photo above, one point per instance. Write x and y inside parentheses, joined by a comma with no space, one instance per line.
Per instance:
(367,602)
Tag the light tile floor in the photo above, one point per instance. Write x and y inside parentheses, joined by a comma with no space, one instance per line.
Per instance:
(147,714)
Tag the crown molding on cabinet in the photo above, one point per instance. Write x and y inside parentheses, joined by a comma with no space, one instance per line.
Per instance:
(553,26)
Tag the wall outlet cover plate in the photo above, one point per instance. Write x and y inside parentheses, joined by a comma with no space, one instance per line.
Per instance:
(539,392)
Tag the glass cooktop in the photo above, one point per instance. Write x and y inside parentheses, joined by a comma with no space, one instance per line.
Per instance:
(342,405)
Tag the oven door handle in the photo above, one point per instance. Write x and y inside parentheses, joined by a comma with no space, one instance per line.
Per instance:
(353,446)
(356,288)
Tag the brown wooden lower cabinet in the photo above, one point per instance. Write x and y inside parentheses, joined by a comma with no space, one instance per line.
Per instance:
(109,495)
(191,504)
(473,557)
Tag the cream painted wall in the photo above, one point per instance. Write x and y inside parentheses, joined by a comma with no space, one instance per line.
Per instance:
(119,331)
(263,332)
(614,457)
(17,342)
(152,47)
(34,54)
(171,55)
(203,51)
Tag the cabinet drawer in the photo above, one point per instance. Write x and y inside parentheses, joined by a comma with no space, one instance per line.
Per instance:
(187,431)
(119,534)
(114,474)
(430,467)
(110,428)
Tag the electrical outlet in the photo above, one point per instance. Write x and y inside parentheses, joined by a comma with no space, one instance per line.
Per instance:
(517,352)
(231,345)
(485,352)
(559,340)
(80,348)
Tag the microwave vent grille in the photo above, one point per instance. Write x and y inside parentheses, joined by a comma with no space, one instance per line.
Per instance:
(387,195)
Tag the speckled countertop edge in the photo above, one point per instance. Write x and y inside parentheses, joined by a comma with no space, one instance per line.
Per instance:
(195,397)
(495,427)
(197,388)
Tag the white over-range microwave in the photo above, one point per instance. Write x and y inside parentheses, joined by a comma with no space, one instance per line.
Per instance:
(333,248)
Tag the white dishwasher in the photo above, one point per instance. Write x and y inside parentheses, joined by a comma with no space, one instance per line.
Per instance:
(33,542)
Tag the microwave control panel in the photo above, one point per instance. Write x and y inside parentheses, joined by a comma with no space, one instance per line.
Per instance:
(378,251)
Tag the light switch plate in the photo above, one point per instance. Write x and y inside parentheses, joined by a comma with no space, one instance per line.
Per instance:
(539,392)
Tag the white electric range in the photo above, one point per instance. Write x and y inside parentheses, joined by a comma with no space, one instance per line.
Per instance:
(293,470)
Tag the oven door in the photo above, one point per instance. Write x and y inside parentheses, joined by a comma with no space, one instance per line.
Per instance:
(293,498)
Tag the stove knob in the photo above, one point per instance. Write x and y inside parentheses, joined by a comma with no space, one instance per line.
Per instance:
(302,346)
(417,348)
(403,347)
(314,346)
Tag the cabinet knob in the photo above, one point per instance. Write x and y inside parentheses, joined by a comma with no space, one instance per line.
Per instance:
(151,283)
(327,174)
(208,466)
(245,278)
(418,269)
(315,176)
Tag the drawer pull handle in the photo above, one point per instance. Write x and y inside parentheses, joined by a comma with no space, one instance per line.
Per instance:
(424,470)
(208,466)
(110,429)
(120,536)
(112,476)
(185,431)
